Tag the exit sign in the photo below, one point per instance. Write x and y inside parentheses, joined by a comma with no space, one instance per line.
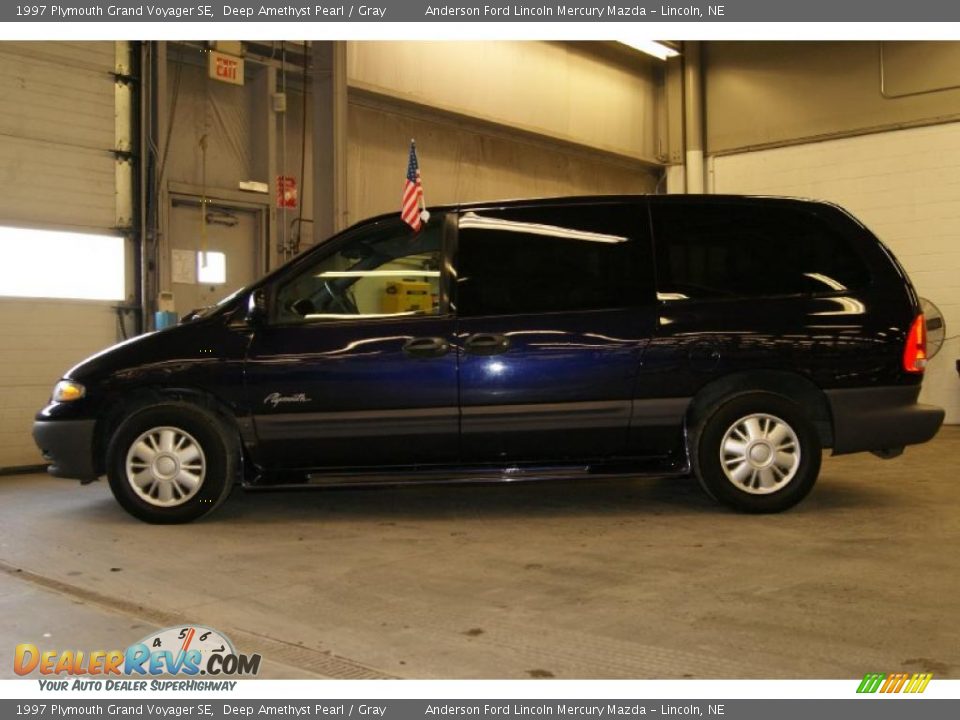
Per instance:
(225,68)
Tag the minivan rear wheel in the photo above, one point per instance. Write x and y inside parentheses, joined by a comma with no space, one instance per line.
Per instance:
(170,463)
(756,452)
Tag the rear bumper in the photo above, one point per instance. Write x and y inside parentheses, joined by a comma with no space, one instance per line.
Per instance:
(883,418)
(68,446)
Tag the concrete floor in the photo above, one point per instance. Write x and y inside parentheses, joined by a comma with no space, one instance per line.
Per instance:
(642,579)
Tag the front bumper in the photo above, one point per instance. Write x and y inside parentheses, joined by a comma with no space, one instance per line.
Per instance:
(68,446)
(883,418)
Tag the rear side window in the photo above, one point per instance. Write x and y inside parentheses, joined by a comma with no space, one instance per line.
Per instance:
(553,259)
(727,250)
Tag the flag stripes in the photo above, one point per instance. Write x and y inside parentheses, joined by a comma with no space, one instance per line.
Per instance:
(412,201)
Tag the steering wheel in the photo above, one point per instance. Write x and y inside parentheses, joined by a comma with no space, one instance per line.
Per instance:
(337,300)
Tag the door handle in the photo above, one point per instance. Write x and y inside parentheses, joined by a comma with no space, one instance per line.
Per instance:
(486,344)
(426,347)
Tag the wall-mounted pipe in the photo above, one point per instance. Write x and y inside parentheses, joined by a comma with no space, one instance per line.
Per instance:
(693,117)
(330,210)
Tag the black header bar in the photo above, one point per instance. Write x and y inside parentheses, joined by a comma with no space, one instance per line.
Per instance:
(165,11)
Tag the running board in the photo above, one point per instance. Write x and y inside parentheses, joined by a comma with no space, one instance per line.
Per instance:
(355,479)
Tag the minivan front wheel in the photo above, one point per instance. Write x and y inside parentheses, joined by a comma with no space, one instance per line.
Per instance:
(170,463)
(757,452)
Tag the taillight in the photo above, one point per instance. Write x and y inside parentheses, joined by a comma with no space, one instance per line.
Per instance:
(915,350)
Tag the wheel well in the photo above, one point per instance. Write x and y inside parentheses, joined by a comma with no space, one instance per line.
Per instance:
(145,397)
(790,385)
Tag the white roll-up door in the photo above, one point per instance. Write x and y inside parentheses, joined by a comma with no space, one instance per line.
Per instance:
(58,172)
(905,186)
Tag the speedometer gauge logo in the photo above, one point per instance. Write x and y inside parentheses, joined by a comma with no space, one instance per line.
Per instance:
(188,650)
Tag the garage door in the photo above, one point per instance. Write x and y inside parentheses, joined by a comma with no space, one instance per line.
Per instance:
(905,185)
(57,173)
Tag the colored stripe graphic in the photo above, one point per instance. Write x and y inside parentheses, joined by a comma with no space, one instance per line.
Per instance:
(871,682)
(894,682)
(919,682)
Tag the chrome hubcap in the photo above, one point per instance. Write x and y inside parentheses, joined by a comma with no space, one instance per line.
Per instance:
(165,466)
(760,454)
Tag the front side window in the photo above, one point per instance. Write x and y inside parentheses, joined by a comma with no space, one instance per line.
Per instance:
(552,259)
(713,250)
(383,270)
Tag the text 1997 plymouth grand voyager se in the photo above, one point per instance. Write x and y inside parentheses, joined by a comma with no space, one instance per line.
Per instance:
(730,337)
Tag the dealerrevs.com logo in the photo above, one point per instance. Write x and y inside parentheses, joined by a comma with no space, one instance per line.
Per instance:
(183,651)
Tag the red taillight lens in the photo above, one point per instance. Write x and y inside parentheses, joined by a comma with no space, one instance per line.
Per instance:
(915,350)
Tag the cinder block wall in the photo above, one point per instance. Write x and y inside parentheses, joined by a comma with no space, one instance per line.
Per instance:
(904,185)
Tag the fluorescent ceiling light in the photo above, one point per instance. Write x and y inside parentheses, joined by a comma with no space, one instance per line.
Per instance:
(651,47)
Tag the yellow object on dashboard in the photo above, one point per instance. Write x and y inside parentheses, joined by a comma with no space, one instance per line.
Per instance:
(401,296)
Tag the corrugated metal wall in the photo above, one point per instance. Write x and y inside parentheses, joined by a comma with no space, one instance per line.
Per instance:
(57,131)
(460,164)
(498,120)
(221,113)
(579,92)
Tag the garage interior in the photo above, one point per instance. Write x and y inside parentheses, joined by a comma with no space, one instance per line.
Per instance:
(179,186)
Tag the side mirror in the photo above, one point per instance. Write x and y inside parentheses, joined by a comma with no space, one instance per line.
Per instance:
(193,314)
(257,307)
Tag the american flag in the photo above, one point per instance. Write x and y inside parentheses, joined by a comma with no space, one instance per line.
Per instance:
(412,191)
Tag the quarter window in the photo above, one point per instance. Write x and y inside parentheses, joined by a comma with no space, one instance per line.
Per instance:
(728,250)
(551,259)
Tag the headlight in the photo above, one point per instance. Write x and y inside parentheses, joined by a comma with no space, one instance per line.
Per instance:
(68,391)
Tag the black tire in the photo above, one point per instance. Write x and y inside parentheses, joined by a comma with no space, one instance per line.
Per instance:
(198,428)
(766,476)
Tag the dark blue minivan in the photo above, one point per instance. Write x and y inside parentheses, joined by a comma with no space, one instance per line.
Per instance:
(728,337)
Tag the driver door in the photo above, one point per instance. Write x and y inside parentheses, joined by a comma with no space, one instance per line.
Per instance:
(357,365)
